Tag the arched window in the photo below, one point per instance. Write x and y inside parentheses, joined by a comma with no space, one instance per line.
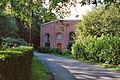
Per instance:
(59,37)
(71,36)
(47,38)
(71,39)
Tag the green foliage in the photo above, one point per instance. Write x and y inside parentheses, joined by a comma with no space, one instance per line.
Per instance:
(23,49)
(39,17)
(55,50)
(44,49)
(98,36)
(28,13)
(101,21)
(69,46)
(112,67)
(105,49)
(8,24)
(13,42)
(18,51)
(49,50)
(67,51)
(8,21)
(77,51)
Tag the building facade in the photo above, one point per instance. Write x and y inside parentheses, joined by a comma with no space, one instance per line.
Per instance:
(59,33)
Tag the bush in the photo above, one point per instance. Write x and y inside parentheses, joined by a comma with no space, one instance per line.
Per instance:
(49,50)
(44,49)
(69,46)
(55,50)
(77,51)
(18,51)
(67,51)
(105,49)
(98,35)
(13,42)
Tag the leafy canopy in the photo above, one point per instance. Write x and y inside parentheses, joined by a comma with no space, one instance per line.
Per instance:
(101,21)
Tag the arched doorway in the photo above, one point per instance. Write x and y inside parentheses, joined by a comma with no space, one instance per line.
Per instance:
(59,45)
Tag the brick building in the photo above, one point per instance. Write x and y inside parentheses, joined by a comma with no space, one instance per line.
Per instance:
(58,33)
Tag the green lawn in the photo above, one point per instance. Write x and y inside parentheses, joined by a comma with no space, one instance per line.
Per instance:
(38,70)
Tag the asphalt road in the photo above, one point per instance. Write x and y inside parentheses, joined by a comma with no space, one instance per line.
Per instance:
(67,69)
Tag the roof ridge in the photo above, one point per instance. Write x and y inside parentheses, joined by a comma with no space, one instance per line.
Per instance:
(60,20)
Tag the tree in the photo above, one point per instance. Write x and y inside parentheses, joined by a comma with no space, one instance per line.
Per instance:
(101,21)
(8,24)
(98,35)
(28,13)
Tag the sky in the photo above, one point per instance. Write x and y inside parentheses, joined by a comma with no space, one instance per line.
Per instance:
(78,10)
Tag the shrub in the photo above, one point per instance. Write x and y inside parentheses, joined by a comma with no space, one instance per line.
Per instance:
(105,49)
(13,42)
(49,50)
(77,51)
(98,35)
(18,51)
(44,49)
(67,51)
(69,46)
(55,50)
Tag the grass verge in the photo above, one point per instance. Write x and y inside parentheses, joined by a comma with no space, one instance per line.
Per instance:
(111,67)
(38,70)
(64,55)
(107,66)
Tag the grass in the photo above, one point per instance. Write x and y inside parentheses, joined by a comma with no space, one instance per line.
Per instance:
(111,67)
(38,70)
(107,66)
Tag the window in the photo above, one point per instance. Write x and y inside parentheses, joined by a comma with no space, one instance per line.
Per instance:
(47,38)
(71,39)
(71,36)
(59,36)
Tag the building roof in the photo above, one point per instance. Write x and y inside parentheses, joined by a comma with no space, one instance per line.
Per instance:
(60,20)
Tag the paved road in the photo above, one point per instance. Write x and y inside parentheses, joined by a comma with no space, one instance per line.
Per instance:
(67,69)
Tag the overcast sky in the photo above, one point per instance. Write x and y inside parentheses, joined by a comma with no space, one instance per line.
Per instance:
(76,11)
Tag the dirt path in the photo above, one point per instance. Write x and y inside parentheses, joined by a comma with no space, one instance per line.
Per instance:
(67,69)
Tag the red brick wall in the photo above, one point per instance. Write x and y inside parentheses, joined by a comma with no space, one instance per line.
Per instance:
(53,28)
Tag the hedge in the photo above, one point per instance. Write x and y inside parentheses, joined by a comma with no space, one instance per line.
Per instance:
(49,50)
(15,63)
(104,49)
